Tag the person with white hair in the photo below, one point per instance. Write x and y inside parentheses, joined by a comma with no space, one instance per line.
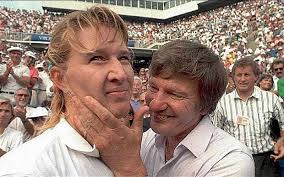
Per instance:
(136,92)
(16,75)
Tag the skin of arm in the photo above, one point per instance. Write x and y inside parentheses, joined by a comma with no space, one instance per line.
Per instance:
(2,152)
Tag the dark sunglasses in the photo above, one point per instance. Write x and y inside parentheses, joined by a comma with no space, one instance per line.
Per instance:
(276,69)
(20,95)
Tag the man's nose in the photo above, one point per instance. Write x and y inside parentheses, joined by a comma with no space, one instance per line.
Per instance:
(117,71)
(158,103)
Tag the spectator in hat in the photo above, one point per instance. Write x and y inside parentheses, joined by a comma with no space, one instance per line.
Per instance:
(16,75)
(44,82)
(9,138)
(38,117)
(30,60)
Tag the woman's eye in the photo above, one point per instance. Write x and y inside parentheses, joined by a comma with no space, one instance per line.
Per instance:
(97,58)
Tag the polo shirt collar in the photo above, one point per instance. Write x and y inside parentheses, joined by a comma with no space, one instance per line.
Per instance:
(71,138)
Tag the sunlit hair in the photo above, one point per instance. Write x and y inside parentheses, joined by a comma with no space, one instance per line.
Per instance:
(6,101)
(198,63)
(65,37)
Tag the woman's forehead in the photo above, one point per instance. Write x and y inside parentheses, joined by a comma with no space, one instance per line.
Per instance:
(92,39)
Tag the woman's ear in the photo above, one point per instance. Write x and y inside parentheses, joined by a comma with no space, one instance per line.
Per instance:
(57,77)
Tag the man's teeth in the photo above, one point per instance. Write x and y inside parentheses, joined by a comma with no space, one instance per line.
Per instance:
(162,117)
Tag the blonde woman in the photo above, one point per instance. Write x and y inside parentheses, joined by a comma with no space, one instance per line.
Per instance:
(89,54)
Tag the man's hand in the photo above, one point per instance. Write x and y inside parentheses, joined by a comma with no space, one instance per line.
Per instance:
(278,149)
(20,112)
(118,144)
(9,67)
(2,152)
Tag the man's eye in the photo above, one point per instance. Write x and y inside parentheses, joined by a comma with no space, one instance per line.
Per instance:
(152,89)
(176,96)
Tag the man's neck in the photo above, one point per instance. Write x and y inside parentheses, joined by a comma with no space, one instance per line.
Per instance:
(16,63)
(135,97)
(245,95)
(173,141)
(2,129)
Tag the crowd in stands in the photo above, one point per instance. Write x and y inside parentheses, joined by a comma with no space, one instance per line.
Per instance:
(249,27)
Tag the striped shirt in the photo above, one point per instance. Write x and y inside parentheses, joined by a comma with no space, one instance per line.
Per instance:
(257,111)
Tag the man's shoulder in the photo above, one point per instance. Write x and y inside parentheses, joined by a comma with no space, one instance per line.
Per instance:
(226,143)
(227,156)
(12,132)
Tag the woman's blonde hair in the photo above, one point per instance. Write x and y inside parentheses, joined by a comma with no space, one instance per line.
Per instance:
(64,37)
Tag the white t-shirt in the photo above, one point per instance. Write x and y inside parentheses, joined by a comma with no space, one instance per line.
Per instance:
(10,139)
(60,151)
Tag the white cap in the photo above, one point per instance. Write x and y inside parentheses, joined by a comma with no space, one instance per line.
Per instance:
(30,54)
(15,48)
(36,112)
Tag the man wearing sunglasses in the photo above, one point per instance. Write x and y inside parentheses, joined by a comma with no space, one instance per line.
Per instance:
(20,122)
(277,67)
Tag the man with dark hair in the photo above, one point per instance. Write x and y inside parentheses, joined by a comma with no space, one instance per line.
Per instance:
(246,112)
(277,68)
(186,81)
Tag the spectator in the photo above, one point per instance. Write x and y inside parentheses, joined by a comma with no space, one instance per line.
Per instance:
(16,74)
(277,67)
(20,121)
(43,82)
(245,114)
(265,82)
(136,93)
(9,138)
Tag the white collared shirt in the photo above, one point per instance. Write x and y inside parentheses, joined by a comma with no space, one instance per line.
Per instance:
(205,151)
(10,139)
(59,151)
(258,109)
